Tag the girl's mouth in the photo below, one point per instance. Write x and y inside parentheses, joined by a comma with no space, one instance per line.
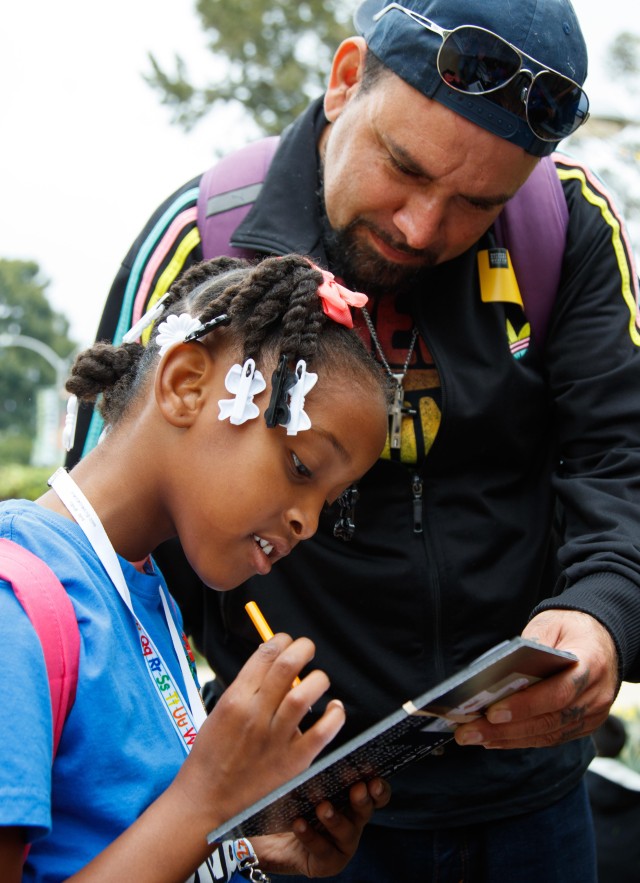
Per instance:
(265,545)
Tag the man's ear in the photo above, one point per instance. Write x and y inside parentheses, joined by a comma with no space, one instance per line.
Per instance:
(182,382)
(345,77)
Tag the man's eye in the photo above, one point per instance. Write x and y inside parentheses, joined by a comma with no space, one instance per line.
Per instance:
(400,167)
(300,467)
(480,206)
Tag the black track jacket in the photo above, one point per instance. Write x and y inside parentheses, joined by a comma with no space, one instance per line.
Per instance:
(530,492)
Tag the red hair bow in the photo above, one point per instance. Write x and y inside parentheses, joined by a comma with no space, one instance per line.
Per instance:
(336,299)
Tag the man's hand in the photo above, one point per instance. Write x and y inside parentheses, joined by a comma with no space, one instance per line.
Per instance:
(323,853)
(565,706)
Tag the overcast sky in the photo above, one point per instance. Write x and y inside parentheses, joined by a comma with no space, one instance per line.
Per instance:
(87,151)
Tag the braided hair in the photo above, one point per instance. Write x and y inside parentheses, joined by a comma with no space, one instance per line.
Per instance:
(273,309)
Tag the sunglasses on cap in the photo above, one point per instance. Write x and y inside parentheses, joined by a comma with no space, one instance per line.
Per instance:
(476,61)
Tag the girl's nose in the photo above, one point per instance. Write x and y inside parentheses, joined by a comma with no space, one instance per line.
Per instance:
(303,521)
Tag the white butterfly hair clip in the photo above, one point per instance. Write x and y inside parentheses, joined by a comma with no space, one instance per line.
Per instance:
(246,382)
(298,417)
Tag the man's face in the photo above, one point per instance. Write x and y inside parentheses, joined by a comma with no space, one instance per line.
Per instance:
(407,182)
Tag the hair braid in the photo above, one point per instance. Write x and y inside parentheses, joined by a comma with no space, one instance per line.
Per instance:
(282,299)
(302,321)
(192,286)
(274,310)
(221,304)
(108,370)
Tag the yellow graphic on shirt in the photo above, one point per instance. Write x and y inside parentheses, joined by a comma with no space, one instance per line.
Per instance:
(430,417)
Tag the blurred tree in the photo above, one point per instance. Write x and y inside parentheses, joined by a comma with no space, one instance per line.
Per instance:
(276,53)
(25,312)
(623,54)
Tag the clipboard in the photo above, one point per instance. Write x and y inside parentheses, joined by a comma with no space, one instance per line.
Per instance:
(413,731)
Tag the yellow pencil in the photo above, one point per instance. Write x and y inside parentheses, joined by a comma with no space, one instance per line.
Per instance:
(262,626)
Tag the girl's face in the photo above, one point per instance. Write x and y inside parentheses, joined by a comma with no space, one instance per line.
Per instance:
(254,492)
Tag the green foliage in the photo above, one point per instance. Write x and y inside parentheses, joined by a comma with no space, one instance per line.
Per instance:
(15,446)
(631,752)
(25,312)
(23,482)
(277,56)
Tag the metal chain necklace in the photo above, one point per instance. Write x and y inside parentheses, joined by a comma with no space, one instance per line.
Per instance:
(397,408)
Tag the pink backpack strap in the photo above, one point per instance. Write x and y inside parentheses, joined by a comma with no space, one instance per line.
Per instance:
(51,612)
(226,193)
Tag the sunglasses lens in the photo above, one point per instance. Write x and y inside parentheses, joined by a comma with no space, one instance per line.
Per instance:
(474,60)
(556,107)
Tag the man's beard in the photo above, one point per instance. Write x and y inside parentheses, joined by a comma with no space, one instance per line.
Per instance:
(363,268)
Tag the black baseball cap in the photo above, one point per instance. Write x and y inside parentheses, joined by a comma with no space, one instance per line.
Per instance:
(546,30)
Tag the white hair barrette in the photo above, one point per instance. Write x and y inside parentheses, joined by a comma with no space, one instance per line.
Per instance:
(246,382)
(298,418)
(70,421)
(144,321)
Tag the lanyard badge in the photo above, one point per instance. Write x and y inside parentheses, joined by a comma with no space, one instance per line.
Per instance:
(186,717)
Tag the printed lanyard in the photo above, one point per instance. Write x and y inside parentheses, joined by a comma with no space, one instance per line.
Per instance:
(185,718)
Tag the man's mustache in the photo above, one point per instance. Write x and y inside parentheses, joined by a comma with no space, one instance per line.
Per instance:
(423,254)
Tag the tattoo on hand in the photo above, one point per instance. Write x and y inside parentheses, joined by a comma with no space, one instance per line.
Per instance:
(568,715)
(581,682)
(575,716)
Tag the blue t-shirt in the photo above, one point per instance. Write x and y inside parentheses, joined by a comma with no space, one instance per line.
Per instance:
(118,750)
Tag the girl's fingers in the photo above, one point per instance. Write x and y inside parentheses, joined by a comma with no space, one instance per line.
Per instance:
(273,667)
(323,731)
(330,848)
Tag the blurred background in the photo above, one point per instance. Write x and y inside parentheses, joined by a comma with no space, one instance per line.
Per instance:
(108,109)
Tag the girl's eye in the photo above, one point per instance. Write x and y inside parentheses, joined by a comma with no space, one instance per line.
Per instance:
(300,468)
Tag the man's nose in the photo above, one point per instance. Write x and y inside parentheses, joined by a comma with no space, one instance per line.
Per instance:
(420,220)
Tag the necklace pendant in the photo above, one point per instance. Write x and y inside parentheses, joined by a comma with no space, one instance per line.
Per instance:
(395,414)
(398,410)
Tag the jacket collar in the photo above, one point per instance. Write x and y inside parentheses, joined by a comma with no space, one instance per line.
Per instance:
(285,217)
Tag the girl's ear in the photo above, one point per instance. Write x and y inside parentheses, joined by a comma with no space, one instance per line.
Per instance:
(346,73)
(182,382)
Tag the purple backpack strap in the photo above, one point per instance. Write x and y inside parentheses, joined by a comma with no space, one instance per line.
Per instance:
(51,612)
(227,191)
(533,227)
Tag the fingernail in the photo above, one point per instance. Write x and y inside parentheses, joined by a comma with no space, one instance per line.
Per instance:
(471,738)
(499,716)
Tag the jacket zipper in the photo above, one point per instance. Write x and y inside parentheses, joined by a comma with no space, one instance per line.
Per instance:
(416,491)
(422,532)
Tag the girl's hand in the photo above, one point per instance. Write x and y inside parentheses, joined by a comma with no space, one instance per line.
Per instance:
(322,854)
(251,742)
